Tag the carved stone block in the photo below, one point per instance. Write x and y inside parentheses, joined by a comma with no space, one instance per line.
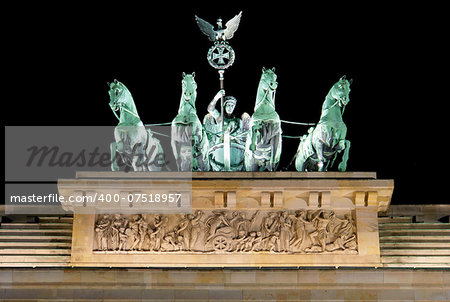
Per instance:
(325,199)
(219,199)
(372,198)
(313,199)
(231,199)
(360,199)
(265,200)
(278,199)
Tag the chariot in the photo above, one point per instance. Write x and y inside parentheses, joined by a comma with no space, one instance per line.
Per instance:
(221,241)
(227,156)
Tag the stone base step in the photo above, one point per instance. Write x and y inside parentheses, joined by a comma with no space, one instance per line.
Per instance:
(395,219)
(384,239)
(416,232)
(45,225)
(415,245)
(37,231)
(67,219)
(416,265)
(416,259)
(415,252)
(5,238)
(34,251)
(35,259)
(415,226)
(20,244)
(35,264)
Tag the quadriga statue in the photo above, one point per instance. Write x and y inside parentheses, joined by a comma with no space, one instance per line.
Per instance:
(318,149)
(263,145)
(189,141)
(137,148)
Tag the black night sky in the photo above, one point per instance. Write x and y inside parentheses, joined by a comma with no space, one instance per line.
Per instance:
(397,118)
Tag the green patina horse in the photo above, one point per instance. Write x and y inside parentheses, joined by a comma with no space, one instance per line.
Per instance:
(136,146)
(327,138)
(263,144)
(188,139)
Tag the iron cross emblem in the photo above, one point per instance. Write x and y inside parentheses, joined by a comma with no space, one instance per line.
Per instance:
(221,55)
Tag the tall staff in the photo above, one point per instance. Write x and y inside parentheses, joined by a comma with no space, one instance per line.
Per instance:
(220,55)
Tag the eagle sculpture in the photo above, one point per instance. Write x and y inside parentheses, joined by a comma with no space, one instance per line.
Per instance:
(221,34)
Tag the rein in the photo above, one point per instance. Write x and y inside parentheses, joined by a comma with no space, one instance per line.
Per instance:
(116,115)
(192,106)
(132,113)
(125,109)
(265,95)
(335,103)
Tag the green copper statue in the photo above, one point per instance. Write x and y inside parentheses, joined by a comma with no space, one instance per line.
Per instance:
(327,138)
(263,145)
(188,139)
(227,145)
(136,146)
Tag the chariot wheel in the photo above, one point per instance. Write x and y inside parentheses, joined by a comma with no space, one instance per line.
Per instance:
(221,243)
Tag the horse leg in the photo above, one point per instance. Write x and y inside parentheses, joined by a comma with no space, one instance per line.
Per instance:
(248,161)
(300,164)
(321,159)
(334,159)
(160,161)
(114,165)
(205,148)
(343,165)
(137,164)
(302,156)
(138,158)
(300,159)
(274,157)
(253,140)
(154,156)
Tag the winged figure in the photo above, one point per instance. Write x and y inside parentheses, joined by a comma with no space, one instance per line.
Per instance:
(221,34)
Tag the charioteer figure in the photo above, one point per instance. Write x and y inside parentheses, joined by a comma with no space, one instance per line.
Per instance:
(231,123)
(226,134)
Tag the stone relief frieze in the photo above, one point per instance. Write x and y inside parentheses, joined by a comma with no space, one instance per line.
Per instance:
(228,231)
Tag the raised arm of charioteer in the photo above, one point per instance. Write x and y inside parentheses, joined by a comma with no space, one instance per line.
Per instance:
(212,105)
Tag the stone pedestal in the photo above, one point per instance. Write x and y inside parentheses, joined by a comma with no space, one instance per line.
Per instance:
(226,219)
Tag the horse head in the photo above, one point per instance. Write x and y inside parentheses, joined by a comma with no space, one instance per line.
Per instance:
(269,79)
(266,90)
(122,101)
(189,88)
(116,95)
(341,90)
